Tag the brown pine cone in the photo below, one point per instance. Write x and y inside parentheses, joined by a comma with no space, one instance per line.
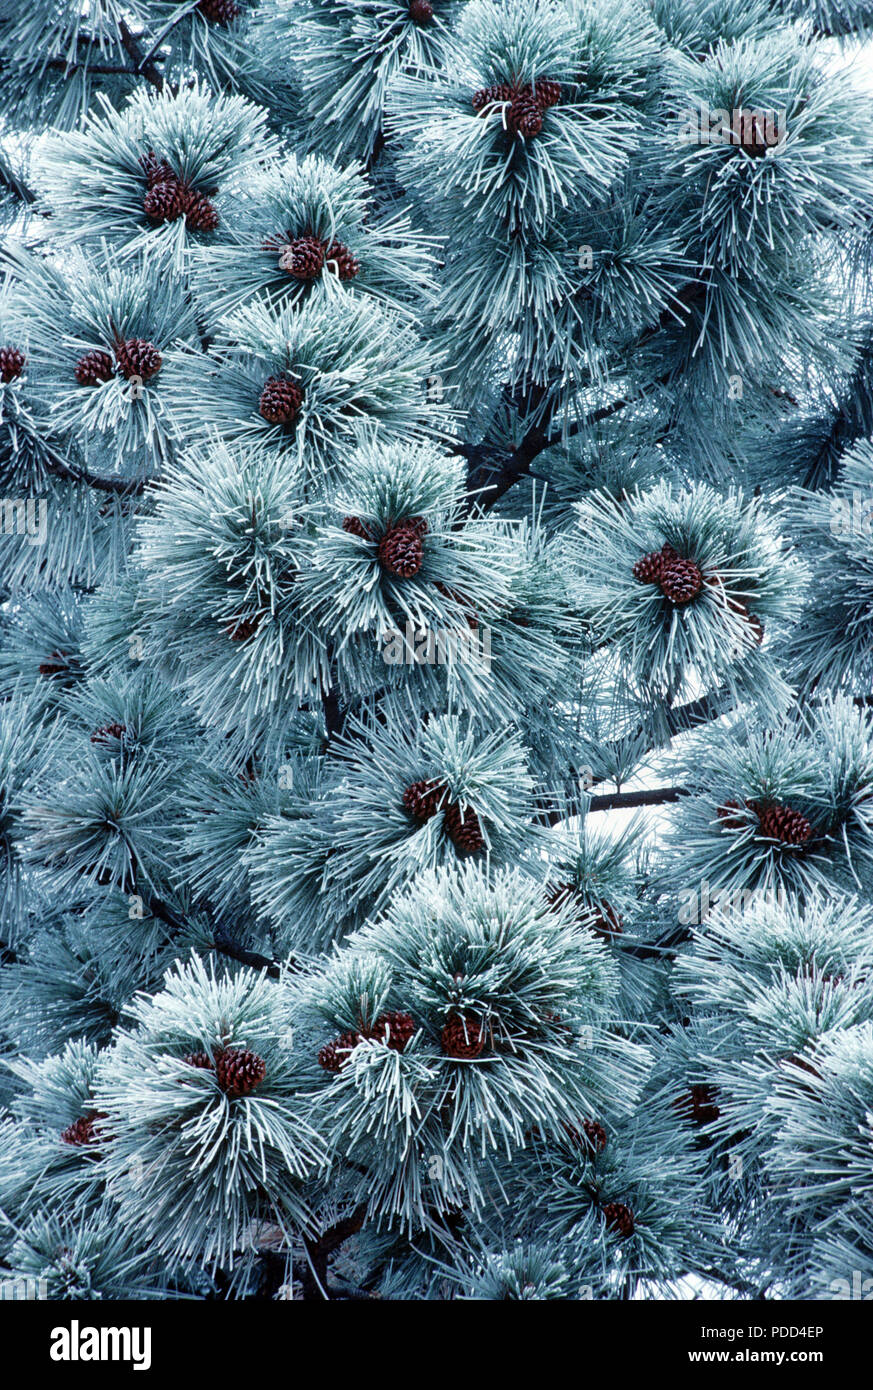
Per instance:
(334,1055)
(200,215)
(453,596)
(302,257)
(239,1071)
(420,11)
(463,829)
(219,11)
(55,666)
(753,134)
(681,581)
(394,1029)
(201,1060)
(595,1134)
(242,628)
(138,358)
(401,551)
(422,799)
(726,814)
(619,1219)
(703,1107)
(525,115)
(783,823)
(546,92)
(107,732)
(157,170)
(94,367)
(84,1130)
(356,527)
(280,400)
(490,96)
(462,1038)
(11,364)
(165,202)
(339,259)
(560,894)
(648,569)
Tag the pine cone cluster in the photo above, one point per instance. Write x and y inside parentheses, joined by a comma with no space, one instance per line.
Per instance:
(423,799)
(401,549)
(524,104)
(219,11)
(356,527)
(239,1071)
(107,732)
(420,11)
(462,1038)
(306,257)
(12,362)
(280,400)
(84,1130)
(394,1029)
(619,1218)
(94,367)
(138,358)
(169,197)
(680,579)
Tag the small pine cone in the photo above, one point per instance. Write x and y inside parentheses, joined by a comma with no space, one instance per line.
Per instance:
(340,260)
(757,628)
(200,215)
(702,1104)
(648,569)
(164,202)
(753,135)
(219,11)
(560,894)
(462,1038)
(681,581)
(157,170)
(728,817)
(394,1029)
(606,921)
(55,666)
(84,1130)
(239,1071)
(619,1219)
(201,1060)
(280,400)
(334,1055)
(11,364)
(137,358)
(401,551)
(356,527)
(422,799)
(453,596)
(595,1134)
(463,829)
(491,96)
(546,92)
(420,11)
(303,257)
(107,732)
(525,115)
(783,823)
(94,367)
(241,629)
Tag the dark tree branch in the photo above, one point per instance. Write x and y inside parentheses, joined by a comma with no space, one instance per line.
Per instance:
(142,63)
(122,487)
(318,1252)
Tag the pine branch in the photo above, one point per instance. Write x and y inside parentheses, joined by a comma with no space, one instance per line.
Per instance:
(143,63)
(318,1252)
(123,487)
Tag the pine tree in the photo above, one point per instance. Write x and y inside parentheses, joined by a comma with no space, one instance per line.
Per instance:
(429,428)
